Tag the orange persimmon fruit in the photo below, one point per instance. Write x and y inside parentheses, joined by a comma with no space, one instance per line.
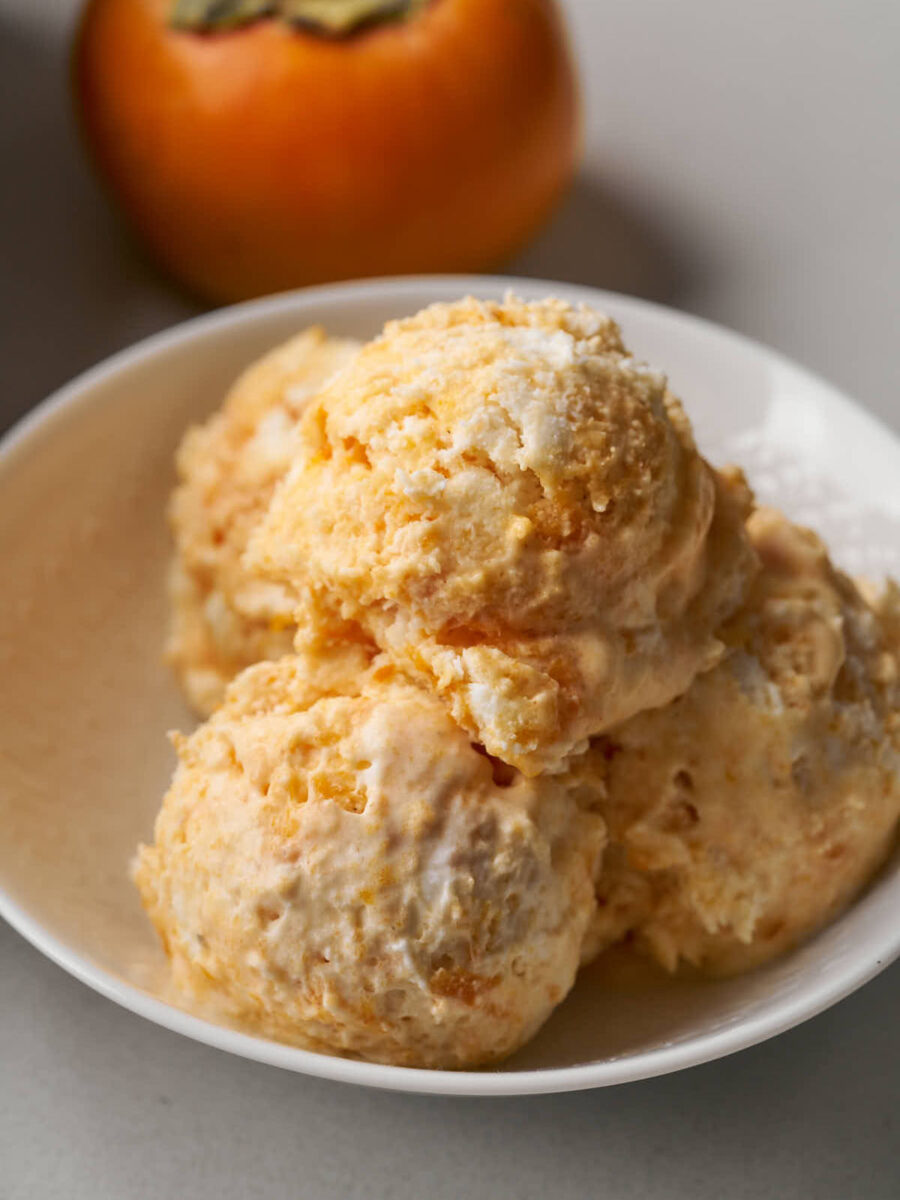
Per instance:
(263,154)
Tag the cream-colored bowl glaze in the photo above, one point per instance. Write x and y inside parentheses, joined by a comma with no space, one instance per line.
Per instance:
(86,701)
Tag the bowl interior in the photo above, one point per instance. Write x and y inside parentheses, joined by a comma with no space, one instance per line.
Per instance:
(86,700)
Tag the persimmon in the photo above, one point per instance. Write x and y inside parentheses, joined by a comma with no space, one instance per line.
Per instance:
(258,145)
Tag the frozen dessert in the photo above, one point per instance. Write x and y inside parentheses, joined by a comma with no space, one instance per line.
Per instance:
(748,812)
(337,866)
(512,506)
(223,617)
(503,673)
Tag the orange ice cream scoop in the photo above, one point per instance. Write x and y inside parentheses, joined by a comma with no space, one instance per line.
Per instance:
(224,617)
(336,866)
(512,506)
(747,813)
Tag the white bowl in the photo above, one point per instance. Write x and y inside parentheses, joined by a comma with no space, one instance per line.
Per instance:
(86,700)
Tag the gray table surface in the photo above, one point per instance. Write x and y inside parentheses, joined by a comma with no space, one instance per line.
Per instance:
(742,162)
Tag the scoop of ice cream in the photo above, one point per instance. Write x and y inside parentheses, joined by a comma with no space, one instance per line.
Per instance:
(748,812)
(512,505)
(224,618)
(337,866)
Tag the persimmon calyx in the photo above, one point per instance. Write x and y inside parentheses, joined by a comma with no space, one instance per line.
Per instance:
(332,18)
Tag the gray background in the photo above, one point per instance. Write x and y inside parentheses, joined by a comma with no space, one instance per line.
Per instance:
(741,161)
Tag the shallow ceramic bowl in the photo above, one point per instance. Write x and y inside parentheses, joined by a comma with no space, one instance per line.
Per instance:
(86,700)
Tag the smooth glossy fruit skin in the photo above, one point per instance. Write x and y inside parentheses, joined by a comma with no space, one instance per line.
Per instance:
(266,158)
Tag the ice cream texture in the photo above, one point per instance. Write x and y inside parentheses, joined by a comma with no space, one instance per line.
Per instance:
(337,866)
(750,811)
(511,505)
(540,680)
(225,617)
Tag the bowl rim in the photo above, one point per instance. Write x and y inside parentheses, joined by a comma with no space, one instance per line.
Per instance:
(821,992)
